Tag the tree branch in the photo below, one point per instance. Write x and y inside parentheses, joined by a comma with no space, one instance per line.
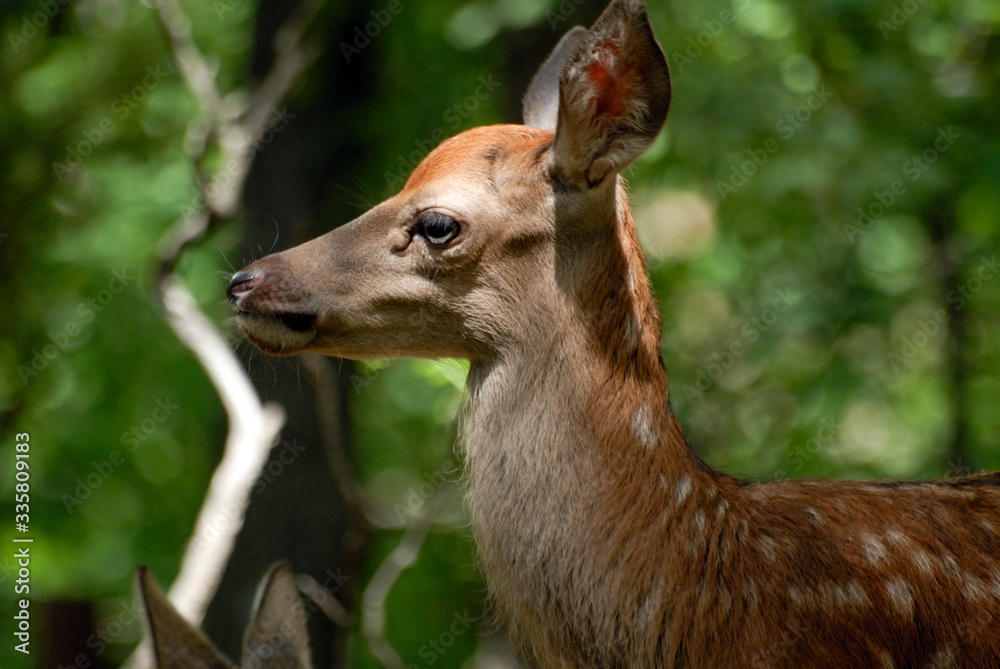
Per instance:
(325,382)
(385,577)
(253,430)
(254,427)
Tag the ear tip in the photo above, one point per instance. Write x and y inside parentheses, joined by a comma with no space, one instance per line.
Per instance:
(143,577)
(540,104)
(632,6)
(282,565)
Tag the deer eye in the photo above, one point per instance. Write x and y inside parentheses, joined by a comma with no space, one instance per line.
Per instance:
(437,228)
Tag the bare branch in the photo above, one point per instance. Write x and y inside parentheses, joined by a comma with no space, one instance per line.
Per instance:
(194,69)
(253,430)
(253,427)
(327,409)
(291,58)
(399,560)
(235,126)
(327,602)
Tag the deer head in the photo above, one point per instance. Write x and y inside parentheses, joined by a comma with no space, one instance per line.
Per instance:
(497,233)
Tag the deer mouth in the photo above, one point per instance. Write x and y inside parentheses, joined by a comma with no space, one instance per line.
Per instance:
(297,322)
(278,333)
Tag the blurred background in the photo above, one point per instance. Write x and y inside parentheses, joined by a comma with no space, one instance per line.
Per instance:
(821,218)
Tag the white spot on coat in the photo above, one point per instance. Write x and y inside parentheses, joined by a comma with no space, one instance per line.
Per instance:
(901,595)
(721,509)
(682,489)
(975,589)
(645,431)
(768,547)
(854,595)
(944,659)
(874,549)
(923,560)
(950,567)
(898,539)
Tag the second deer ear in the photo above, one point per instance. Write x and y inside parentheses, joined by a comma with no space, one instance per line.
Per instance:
(176,643)
(277,637)
(614,93)
(541,102)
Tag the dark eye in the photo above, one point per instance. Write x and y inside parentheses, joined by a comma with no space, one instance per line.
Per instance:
(437,229)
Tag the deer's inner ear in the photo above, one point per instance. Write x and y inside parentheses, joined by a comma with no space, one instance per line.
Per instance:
(614,94)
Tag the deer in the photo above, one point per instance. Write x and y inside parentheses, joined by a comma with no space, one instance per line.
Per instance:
(604,540)
(276,637)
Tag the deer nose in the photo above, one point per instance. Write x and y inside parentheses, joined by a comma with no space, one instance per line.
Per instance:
(243,283)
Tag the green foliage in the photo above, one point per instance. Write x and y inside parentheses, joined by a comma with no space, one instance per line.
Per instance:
(124,428)
(826,189)
(831,150)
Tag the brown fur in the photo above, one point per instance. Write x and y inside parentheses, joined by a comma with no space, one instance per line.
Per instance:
(604,540)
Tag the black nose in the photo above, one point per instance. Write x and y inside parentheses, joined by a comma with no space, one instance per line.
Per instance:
(243,283)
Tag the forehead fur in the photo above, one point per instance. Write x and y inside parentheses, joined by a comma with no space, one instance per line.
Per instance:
(480,151)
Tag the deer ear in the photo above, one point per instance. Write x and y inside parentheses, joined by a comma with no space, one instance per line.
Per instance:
(176,643)
(277,635)
(541,102)
(614,93)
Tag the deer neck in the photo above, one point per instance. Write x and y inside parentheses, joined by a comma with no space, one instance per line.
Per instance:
(569,436)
